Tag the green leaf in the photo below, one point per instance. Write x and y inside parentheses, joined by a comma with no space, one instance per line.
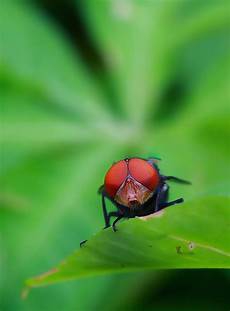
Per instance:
(193,235)
(45,63)
(145,44)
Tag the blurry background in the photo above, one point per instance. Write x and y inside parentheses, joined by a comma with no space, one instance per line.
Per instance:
(83,84)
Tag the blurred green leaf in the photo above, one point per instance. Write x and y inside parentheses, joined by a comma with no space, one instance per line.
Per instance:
(189,236)
(45,63)
(147,44)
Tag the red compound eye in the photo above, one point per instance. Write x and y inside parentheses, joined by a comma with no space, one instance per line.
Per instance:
(115,177)
(144,173)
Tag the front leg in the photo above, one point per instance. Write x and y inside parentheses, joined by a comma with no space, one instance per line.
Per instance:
(111,214)
(115,221)
(105,213)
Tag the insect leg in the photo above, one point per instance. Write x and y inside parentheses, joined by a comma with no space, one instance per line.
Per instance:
(115,221)
(105,213)
(176,179)
(83,242)
(109,215)
(166,204)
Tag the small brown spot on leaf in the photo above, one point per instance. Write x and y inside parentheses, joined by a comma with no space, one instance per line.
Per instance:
(25,293)
(178,249)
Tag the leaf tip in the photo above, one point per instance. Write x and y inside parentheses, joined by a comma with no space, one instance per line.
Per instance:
(39,280)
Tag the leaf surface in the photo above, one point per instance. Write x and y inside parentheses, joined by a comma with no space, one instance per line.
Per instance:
(193,235)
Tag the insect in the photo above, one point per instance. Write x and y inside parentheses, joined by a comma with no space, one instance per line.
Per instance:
(136,187)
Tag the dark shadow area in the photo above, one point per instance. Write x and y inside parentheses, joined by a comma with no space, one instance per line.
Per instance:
(189,290)
(171,101)
(69,17)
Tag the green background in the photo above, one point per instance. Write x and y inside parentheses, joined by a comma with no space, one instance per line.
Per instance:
(83,84)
